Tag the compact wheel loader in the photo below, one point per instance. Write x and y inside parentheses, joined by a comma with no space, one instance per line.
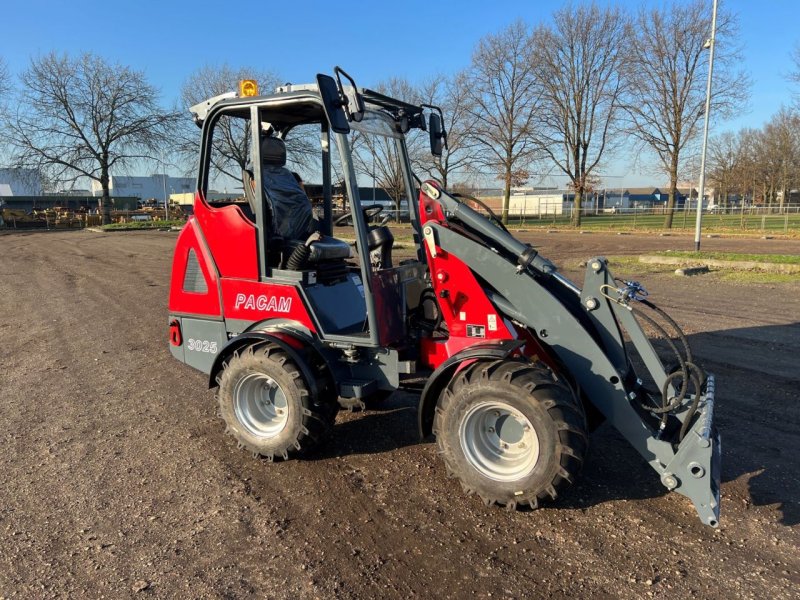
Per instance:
(514,364)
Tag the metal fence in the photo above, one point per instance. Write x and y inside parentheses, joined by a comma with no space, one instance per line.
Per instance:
(65,219)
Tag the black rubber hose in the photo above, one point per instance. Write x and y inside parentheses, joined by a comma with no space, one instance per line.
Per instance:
(698,385)
(492,216)
(666,406)
(298,258)
(674,325)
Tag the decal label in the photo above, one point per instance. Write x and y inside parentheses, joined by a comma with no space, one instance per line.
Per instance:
(201,346)
(263,302)
(492,322)
(476,331)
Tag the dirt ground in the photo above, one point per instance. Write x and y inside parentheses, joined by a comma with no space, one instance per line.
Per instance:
(116,479)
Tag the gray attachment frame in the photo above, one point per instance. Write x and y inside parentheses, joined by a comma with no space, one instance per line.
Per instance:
(601,370)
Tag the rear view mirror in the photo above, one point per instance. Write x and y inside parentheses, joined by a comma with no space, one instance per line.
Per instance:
(333,103)
(436,133)
(354,103)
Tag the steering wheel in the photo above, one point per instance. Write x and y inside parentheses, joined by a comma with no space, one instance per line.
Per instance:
(370,212)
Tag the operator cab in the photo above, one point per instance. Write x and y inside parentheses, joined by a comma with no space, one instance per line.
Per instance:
(254,145)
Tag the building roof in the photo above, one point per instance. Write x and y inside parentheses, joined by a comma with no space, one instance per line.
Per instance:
(642,191)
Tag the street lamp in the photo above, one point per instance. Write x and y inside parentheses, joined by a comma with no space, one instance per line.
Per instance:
(701,192)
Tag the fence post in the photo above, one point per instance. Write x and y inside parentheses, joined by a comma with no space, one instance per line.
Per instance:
(786,223)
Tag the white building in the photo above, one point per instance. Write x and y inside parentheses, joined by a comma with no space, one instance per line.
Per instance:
(536,204)
(158,186)
(20,182)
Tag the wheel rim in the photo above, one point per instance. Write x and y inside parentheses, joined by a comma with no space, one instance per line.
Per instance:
(260,405)
(499,441)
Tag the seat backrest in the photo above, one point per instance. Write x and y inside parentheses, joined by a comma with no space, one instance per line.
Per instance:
(294,218)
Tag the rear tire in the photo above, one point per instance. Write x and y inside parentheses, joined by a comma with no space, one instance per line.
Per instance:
(511,432)
(267,404)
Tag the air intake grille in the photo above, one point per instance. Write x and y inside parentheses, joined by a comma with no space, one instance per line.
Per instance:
(193,280)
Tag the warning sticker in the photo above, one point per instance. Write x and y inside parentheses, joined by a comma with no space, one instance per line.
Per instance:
(492,322)
(476,331)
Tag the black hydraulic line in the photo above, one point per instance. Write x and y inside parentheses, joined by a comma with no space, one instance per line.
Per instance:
(667,406)
(698,383)
(689,371)
(484,206)
(674,325)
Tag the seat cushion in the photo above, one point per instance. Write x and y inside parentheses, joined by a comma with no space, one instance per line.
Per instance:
(325,250)
(328,248)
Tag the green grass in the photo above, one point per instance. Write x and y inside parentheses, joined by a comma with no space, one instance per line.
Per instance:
(783,259)
(144,225)
(625,266)
(682,221)
(734,276)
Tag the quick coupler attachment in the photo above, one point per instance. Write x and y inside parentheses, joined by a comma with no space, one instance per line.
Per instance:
(694,471)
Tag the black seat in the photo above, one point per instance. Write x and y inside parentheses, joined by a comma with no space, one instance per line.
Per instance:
(293,216)
(323,250)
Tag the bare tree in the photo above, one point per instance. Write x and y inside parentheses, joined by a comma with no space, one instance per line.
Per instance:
(724,160)
(782,151)
(5,80)
(667,77)
(231,142)
(377,157)
(794,74)
(579,61)
(451,95)
(504,98)
(84,117)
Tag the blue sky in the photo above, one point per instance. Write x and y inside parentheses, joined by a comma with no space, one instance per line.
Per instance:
(371,40)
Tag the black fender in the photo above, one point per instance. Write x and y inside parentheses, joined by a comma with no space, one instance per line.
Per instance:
(254,337)
(441,377)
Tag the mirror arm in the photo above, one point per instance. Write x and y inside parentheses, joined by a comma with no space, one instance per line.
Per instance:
(441,116)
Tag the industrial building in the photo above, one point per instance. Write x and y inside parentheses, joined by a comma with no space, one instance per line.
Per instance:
(20,182)
(158,186)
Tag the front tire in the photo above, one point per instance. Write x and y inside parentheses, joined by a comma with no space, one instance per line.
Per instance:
(510,432)
(267,406)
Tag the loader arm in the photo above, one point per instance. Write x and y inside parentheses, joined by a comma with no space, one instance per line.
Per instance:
(582,328)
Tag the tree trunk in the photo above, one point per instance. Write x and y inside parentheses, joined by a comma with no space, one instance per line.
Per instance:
(105,200)
(673,192)
(576,215)
(506,196)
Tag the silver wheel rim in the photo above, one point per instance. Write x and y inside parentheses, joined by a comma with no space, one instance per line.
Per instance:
(499,441)
(260,405)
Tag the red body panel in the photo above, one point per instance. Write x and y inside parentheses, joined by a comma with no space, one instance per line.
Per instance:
(469,315)
(229,265)
(257,301)
(196,303)
(231,238)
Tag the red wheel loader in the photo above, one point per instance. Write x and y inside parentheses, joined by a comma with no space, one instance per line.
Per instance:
(513,363)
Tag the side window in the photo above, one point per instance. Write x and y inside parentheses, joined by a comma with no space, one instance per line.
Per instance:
(230,157)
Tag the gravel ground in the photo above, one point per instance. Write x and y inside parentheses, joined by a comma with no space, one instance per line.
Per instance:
(117,480)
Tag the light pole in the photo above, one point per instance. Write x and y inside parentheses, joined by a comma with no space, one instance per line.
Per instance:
(701,191)
(166,199)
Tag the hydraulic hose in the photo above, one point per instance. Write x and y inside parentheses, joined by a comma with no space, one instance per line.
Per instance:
(688,371)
